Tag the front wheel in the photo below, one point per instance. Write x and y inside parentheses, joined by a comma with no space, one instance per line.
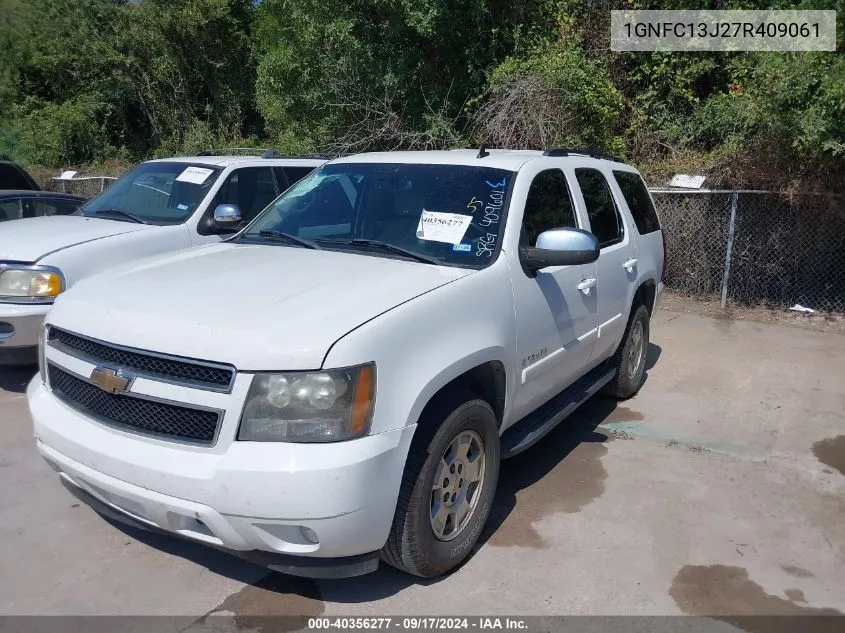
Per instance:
(448,487)
(630,358)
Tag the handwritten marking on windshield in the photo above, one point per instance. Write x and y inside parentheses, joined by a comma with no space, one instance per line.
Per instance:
(491,210)
(498,184)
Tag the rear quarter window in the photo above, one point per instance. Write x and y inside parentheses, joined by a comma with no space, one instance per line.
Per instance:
(636,195)
(13,177)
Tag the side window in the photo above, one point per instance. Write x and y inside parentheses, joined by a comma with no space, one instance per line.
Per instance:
(295,174)
(53,207)
(281,179)
(548,205)
(250,188)
(636,195)
(11,209)
(605,222)
(12,177)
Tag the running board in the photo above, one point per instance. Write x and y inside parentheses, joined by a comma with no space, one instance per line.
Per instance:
(533,427)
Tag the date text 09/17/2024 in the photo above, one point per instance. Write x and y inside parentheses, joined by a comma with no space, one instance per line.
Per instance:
(418,623)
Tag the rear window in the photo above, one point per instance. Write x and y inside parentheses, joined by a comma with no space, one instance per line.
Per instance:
(13,177)
(636,195)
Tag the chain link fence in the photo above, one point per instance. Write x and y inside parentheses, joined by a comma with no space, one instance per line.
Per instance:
(755,248)
(87,186)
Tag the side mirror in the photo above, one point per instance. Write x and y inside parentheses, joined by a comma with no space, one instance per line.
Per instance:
(561,247)
(227,215)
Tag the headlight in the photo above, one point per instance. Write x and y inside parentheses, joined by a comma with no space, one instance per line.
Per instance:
(327,406)
(30,284)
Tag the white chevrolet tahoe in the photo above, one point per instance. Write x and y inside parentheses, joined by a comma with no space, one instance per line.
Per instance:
(337,383)
(161,205)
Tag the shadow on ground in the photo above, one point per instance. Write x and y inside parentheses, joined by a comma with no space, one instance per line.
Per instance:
(15,379)
(563,473)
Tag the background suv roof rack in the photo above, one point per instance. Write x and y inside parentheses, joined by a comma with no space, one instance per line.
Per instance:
(262,153)
(223,151)
(568,151)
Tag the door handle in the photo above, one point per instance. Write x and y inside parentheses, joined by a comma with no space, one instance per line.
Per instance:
(586,284)
(629,264)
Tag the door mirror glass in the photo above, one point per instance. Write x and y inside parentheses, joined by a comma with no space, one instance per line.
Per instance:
(562,247)
(227,214)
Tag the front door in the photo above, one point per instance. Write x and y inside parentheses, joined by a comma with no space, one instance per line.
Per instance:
(250,189)
(556,308)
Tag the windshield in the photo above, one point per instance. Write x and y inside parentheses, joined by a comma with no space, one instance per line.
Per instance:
(156,193)
(450,214)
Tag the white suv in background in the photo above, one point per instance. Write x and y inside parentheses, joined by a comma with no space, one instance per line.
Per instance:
(161,205)
(337,383)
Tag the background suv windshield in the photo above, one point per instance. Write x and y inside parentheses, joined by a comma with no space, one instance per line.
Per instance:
(449,212)
(158,193)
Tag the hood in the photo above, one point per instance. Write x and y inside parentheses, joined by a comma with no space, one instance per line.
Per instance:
(30,239)
(258,307)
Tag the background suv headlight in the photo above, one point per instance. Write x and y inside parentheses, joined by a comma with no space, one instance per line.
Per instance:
(30,284)
(326,406)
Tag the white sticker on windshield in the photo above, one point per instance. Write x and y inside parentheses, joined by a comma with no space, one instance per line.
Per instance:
(196,175)
(436,226)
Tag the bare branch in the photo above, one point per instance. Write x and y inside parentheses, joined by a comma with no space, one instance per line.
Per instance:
(522,114)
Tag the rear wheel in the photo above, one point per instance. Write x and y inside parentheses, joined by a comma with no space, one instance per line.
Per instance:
(448,487)
(630,358)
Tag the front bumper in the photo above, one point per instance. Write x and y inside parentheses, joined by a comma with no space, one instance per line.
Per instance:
(20,325)
(346,567)
(251,498)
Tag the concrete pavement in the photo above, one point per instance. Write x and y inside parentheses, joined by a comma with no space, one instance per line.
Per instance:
(719,489)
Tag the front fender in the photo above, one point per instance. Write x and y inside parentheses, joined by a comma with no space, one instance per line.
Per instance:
(421,345)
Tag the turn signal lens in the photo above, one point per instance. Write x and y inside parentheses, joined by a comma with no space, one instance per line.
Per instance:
(30,284)
(362,401)
(45,284)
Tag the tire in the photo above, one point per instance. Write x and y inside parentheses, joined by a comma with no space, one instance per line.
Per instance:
(413,545)
(630,359)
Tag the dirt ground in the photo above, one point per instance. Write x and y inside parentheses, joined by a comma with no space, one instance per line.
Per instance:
(719,490)
(817,322)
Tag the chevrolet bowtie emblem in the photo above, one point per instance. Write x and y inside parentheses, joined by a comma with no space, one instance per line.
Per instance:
(109,380)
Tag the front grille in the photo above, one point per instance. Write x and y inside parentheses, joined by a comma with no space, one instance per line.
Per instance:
(187,372)
(140,415)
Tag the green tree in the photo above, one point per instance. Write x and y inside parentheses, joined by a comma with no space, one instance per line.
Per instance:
(357,74)
(90,80)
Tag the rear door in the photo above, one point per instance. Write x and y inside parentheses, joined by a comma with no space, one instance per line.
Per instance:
(635,195)
(617,263)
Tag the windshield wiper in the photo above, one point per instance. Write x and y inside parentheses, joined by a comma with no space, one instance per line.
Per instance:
(122,213)
(288,237)
(355,241)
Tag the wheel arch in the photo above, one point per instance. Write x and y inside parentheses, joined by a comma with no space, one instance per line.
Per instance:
(645,294)
(485,377)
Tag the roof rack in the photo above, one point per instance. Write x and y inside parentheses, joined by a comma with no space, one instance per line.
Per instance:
(263,153)
(223,151)
(324,155)
(567,151)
